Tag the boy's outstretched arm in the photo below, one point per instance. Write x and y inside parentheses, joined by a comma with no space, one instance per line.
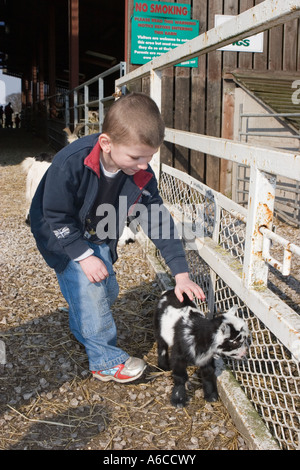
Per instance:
(185,284)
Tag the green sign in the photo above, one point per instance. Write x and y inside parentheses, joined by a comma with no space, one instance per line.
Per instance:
(152,36)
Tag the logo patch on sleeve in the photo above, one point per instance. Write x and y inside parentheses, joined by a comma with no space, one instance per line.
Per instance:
(62,232)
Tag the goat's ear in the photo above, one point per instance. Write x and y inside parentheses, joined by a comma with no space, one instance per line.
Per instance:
(225,329)
(233,310)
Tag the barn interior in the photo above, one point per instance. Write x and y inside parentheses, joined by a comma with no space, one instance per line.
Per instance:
(60,43)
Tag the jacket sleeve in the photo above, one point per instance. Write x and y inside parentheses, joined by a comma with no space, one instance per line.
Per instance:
(61,207)
(160,227)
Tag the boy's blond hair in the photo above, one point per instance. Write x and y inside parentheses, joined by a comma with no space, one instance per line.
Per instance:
(134,119)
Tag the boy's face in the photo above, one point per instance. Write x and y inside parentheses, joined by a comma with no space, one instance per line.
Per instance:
(128,158)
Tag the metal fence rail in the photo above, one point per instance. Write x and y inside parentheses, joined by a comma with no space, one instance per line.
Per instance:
(81,100)
(81,110)
(227,259)
(270,376)
(287,191)
(287,201)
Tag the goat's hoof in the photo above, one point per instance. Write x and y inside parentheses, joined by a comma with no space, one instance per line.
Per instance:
(163,366)
(212,397)
(178,399)
(178,404)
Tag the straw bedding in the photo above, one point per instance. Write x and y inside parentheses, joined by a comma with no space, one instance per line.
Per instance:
(48,399)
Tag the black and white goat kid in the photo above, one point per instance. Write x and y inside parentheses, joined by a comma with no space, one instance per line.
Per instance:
(195,340)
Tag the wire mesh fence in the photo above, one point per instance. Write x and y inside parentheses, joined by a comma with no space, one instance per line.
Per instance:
(270,375)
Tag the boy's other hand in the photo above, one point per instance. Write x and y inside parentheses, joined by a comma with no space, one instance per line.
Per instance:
(94,269)
(185,284)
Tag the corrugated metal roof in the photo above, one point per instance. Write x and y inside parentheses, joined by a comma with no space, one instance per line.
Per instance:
(278,91)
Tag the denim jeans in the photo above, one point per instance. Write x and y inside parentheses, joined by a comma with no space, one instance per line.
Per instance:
(90,316)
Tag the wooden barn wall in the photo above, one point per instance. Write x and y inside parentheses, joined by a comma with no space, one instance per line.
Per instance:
(192,98)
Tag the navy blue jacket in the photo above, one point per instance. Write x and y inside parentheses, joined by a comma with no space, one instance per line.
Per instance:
(67,192)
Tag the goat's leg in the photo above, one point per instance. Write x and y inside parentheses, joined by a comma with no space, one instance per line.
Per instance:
(209,381)
(163,354)
(180,378)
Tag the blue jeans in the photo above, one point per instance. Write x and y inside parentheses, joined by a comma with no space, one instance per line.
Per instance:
(90,316)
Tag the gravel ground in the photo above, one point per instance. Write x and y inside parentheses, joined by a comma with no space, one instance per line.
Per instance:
(48,399)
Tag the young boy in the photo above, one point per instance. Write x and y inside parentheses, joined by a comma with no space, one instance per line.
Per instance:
(87,180)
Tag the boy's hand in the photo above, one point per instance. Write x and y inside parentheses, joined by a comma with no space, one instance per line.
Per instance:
(94,269)
(184,284)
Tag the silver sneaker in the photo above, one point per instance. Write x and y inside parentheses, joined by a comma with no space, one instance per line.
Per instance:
(131,370)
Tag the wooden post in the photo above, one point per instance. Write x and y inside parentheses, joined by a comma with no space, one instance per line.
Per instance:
(198,96)
(227,133)
(41,77)
(155,93)
(52,61)
(182,111)
(73,43)
(34,79)
(73,52)
(213,99)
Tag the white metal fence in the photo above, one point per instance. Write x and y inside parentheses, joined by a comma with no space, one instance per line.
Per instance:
(81,100)
(231,260)
(81,109)
(287,201)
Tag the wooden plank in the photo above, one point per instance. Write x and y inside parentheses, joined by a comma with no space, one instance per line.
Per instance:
(230,58)
(182,110)
(227,133)
(167,109)
(298,50)
(290,38)
(213,118)
(267,74)
(73,44)
(260,59)
(198,96)
(167,149)
(245,59)
(51,59)
(230,62)
(181,117)
(275,48)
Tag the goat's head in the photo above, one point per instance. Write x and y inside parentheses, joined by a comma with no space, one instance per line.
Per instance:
(232,338)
